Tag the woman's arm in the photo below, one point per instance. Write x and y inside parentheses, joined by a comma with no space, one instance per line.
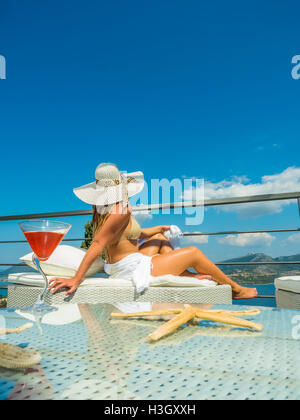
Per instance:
(148,232)
(108,233)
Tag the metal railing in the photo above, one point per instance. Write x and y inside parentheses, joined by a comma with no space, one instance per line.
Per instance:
(185,204)
(165,206)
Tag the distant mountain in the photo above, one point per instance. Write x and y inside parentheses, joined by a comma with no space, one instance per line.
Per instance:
(12,270)
(260,257)
(289,258)
(261,273)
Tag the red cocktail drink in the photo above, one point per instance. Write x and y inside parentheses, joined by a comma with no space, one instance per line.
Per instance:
(43,236)
(44,244)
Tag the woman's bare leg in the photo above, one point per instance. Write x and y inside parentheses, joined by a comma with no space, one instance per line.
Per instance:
(176,262)
(159,244)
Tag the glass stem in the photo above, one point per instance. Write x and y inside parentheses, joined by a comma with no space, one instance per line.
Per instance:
(36,262)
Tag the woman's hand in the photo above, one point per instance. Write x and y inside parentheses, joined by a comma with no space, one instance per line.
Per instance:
(148,232)
(60,283)
(164,229)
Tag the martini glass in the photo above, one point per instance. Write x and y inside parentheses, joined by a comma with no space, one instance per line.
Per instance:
(43,236)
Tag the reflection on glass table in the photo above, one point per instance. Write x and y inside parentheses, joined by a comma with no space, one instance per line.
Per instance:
(92,356)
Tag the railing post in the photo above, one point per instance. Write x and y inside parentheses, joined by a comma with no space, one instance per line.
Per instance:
(299,205)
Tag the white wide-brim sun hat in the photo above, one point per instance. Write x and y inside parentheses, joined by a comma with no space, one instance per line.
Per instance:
(111,186)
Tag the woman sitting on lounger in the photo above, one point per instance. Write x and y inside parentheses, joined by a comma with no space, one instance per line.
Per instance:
(116,232)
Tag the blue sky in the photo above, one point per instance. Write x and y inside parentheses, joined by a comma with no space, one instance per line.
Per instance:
(172,88)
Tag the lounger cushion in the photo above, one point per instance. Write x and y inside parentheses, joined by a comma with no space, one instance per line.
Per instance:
(32,279)
(65,261)
(288,283)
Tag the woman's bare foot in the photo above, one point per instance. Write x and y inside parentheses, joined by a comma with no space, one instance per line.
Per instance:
(245,293)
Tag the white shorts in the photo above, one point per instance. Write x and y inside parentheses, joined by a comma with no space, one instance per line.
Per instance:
(137,268)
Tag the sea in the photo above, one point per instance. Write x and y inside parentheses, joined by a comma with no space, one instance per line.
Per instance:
(267,290)
(4,276)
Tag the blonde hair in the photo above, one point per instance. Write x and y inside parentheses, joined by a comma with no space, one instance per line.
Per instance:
(99,218)
(101,214)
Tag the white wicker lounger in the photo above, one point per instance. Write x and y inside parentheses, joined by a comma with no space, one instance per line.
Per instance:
(288,292)
(27,287)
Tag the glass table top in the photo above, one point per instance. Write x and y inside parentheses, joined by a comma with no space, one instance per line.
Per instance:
(95,357)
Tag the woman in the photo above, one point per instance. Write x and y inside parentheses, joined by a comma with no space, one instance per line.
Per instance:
(116,233)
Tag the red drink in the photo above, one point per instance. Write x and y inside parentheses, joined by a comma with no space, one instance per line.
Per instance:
(43,244)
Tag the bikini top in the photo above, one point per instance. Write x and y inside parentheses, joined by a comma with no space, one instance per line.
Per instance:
(135,230)
(133,234)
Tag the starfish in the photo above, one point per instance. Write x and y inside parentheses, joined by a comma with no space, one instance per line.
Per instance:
(189,313)
(4,331)
(14,357)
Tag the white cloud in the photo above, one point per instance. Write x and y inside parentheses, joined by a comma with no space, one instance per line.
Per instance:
(143,216)
(267,146)
(294,239)
(286,181)
(194,240)
(248,239)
